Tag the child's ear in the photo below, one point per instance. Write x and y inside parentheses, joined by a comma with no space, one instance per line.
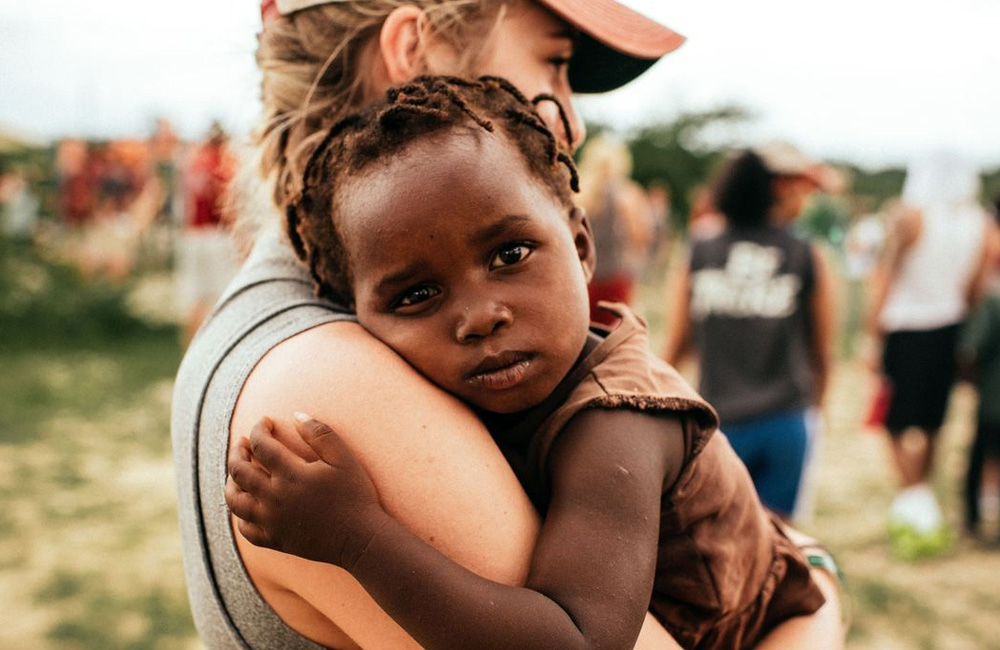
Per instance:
(584,239)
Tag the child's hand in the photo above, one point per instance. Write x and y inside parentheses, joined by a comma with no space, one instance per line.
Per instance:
(325,510)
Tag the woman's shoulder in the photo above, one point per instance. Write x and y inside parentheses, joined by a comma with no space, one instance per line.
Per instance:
(338,360)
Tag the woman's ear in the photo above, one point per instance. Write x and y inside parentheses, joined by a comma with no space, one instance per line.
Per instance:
(409,47)
(401,44)
(583,238)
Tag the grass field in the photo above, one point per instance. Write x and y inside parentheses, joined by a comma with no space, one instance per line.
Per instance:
(90,558)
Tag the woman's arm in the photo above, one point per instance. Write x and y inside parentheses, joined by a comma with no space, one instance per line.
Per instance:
(678,316)
(905,226)
(822,630)
(433,463)
(823,321)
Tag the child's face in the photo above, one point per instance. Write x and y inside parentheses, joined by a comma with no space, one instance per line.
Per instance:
(469,268)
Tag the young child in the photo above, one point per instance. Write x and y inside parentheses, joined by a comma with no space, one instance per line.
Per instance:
(445,217)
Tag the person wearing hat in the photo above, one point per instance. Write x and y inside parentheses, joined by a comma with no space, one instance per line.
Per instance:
(759,303)
(272,348)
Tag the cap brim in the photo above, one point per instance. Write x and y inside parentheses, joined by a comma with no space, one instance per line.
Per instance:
(616,44)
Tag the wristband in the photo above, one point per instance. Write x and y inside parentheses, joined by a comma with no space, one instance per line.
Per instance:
(819,558)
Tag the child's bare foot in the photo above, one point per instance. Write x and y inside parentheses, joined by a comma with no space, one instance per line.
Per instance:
(324,510)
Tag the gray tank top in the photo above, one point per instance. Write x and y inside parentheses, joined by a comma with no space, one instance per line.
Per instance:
(270,301)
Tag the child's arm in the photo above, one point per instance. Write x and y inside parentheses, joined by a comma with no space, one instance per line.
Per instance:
(592,570)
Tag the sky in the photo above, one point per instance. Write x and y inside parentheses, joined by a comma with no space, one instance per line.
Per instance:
(874,82)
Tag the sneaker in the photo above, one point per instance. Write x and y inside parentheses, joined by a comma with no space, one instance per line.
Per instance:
(908,543)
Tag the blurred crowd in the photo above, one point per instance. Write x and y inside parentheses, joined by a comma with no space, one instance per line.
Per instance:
(775,269)
(123,205)
(766,292)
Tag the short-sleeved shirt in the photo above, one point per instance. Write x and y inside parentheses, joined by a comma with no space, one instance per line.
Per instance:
(750,298)
(725,574)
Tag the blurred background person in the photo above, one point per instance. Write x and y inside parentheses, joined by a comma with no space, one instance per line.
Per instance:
(704,221)
(164,147)
(18,205)
(759,302)
(621,220)
(76,178)
(162,207)
(863,244)
(207,257)
(931,270)
(993,238)
(980,352)
(660,213)
(111,232)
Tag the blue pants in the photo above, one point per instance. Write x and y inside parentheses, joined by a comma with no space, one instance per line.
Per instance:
(775,449)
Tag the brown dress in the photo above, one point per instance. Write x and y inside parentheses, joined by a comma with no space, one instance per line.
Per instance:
(725,573)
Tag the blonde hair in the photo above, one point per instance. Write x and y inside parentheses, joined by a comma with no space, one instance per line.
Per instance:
(605,161)
(314,62)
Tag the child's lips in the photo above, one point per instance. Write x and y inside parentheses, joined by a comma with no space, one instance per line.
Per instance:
(500,372)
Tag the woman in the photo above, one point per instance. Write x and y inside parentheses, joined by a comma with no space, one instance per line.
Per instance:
(621,220)
(760,302)
(273,348)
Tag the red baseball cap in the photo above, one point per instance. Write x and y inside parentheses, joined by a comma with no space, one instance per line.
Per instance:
(615,46)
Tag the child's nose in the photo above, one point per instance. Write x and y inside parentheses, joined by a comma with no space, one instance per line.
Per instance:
(476,322)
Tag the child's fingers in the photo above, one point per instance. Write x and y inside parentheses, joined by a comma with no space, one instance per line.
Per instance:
(243,452)
(271,453)
(321,438)
(253,533)
(240,503)
(239,453)
(247,476)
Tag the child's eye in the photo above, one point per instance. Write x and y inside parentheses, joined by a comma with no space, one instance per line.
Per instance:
(414,296)
(510,254)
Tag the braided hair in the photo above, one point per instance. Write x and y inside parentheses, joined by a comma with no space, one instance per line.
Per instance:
(426,105)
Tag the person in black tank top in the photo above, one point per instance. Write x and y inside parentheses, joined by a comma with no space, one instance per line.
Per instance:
(757,301)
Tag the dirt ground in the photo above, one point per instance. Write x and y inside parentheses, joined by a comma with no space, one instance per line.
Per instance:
(89,551)
(947,603)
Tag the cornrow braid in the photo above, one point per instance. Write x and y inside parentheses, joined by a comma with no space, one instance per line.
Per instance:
(545,97)
(424,106)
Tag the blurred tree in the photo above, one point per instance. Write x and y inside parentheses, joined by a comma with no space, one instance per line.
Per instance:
(991,186)
(679,155)
(875,186)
